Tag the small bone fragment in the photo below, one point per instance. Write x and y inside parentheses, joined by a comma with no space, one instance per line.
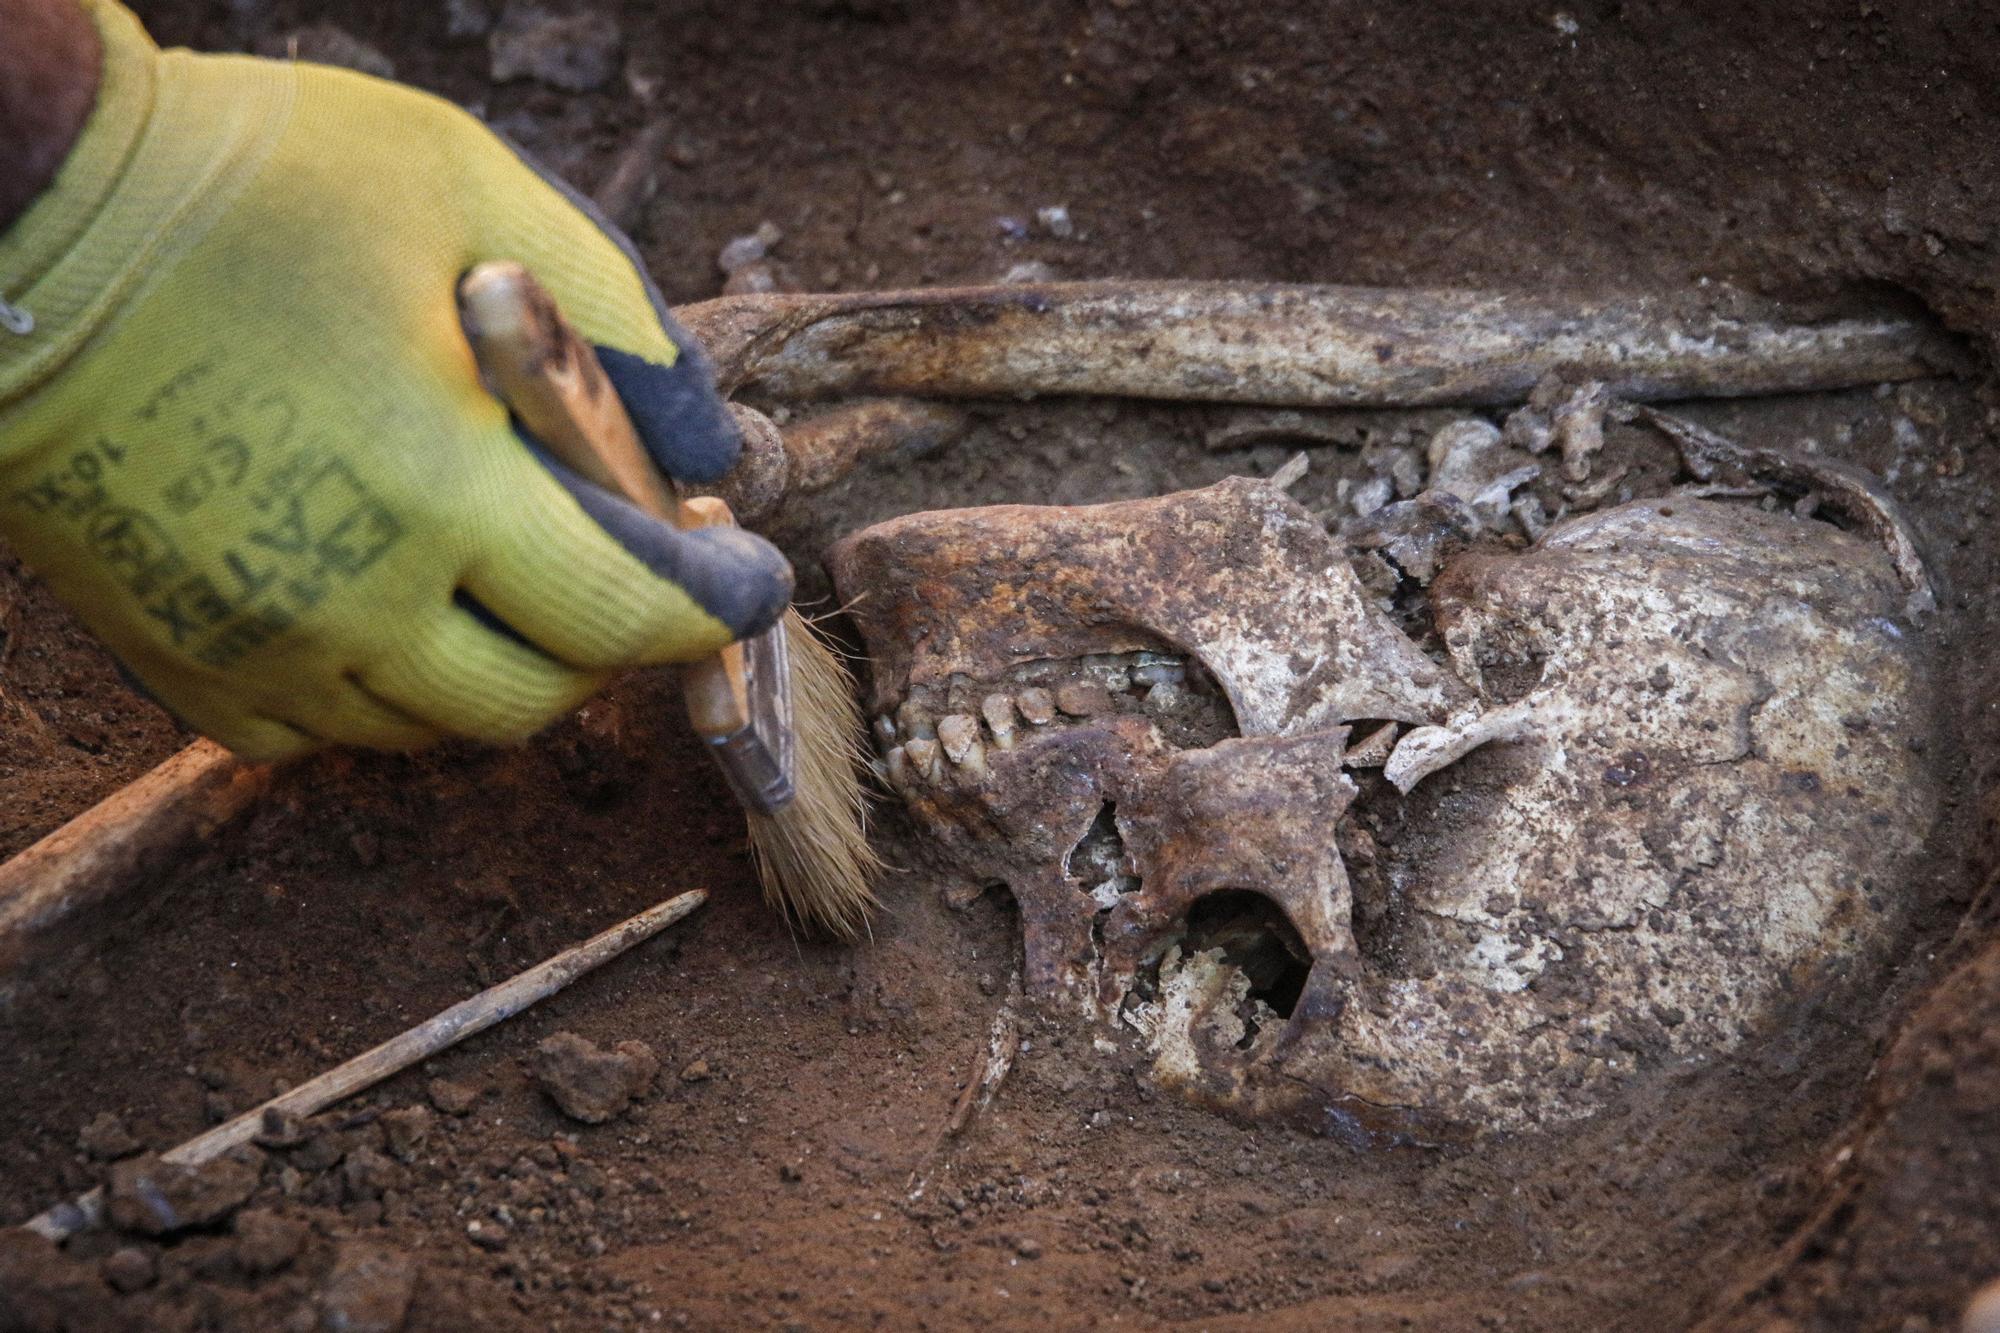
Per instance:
(1418,535)
(957,733)
(1497,496)
(1849,491)
(1292,472)
(1529,426)
(1452,447)
(1469,460)
(1427,749)
(1371,495)
(1587,497)
(114,846)
(750,248)
(1533,518)
(1038,705)
(464,1019)
(998,710)
(1579,427)
(1286,346)
(1003,1043)
(1406,473)
(925,760)
(1373,751)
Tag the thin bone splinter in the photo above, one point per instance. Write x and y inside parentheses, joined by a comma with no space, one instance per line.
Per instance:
(364,1071)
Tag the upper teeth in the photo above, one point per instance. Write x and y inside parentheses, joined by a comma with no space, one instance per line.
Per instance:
(917,743)
(1038,706)
(998,710)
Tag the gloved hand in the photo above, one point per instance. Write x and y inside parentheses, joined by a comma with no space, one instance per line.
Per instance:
(245,439)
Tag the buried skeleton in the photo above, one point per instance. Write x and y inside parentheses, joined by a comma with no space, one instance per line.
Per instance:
(1456,818)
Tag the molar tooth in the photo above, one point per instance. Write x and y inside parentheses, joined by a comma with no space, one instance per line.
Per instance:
(973,765)
(1167,694)
(925,760)
(957,733)
(913,723)
(1159,673)
(1038,705)
(1000,716)
(897,765)
(1110,670)
(885,730)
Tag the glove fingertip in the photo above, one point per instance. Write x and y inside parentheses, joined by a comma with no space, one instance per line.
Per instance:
(735,576)
(685,425)
(751,583)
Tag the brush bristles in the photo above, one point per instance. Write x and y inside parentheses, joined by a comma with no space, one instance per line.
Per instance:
(813,856)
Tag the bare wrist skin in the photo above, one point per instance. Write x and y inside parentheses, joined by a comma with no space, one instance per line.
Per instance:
(50,60)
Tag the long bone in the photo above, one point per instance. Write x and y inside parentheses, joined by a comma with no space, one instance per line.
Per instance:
(1288,346)
(122,840)
(1252,344)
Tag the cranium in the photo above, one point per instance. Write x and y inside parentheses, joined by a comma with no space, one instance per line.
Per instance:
(1162,725)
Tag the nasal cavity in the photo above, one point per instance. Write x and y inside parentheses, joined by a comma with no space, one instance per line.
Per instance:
(1257,939)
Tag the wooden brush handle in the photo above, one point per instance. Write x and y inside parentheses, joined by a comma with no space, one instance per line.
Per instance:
(552,381)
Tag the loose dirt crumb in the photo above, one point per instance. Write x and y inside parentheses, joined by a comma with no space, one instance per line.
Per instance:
(368,1291)
(591,1084)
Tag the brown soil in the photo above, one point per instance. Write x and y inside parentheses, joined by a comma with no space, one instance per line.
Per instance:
(788,1168)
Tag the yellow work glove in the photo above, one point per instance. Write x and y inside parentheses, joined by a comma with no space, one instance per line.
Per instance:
(245,439)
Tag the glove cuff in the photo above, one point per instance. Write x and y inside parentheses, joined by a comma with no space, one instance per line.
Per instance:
(172,140)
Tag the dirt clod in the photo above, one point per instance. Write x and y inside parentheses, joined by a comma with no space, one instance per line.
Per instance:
(368,1291)
(267,1240)
(106,1138)
(453,1099)
(43,1289)
(150,1197)
(366,1174)
(407,1131)
(129,1269)
(589,1083)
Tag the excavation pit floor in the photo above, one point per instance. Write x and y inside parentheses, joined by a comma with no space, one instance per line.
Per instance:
(790,1166)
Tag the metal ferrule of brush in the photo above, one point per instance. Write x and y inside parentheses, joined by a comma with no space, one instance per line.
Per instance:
(757,757)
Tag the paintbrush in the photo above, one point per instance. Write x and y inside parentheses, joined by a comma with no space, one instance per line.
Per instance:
(778,711)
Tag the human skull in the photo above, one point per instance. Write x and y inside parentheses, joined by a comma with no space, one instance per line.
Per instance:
(1682,785)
